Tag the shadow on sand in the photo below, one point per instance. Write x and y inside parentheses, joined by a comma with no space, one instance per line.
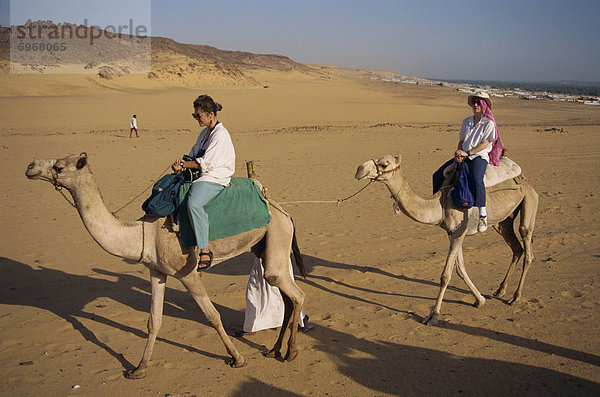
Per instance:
(397,369)
(378,365)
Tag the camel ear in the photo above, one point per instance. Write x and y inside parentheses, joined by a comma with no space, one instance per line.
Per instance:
(82,162)
(398,157)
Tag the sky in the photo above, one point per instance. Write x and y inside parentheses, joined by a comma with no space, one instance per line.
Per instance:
(516,40)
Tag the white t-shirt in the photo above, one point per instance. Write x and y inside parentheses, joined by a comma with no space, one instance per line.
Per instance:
(133,123)
(218,161)
(473,134)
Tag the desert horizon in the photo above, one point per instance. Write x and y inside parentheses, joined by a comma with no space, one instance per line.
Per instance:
(73,317)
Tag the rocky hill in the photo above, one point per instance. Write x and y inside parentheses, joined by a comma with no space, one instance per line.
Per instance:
(157,58)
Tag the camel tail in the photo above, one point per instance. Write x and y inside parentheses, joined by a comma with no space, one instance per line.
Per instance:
(297,256)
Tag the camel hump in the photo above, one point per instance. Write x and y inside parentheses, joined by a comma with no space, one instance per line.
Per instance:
(506,170)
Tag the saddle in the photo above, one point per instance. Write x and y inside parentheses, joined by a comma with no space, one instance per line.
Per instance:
(238,208)
(494,175)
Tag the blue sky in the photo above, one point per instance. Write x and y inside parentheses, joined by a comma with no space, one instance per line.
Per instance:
(527,40)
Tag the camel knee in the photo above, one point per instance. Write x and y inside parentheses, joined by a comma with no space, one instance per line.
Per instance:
(213,318)
(445,278)
(524,231)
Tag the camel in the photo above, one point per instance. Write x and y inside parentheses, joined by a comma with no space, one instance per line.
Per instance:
(153,242)
(503,206)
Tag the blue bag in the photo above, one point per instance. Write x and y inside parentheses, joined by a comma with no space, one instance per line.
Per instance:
(164,199)
(461,193)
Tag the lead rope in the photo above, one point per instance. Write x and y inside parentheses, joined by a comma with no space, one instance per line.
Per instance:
(338,201)
(143,242)
(142,192)
(59,189)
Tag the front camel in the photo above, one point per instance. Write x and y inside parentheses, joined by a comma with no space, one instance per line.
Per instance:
(503,208)
(152,242)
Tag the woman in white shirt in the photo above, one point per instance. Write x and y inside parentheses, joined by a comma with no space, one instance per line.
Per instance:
(474,145)
(213,154)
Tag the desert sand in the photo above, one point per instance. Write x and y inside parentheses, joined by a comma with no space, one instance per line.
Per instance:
(73,318)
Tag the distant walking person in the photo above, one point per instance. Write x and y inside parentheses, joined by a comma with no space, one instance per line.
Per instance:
(133,126)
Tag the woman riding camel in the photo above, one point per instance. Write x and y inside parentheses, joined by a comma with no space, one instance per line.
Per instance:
(475,139)
(214,156)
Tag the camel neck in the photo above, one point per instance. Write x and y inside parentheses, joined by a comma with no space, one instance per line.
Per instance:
(424,210)
(114,236)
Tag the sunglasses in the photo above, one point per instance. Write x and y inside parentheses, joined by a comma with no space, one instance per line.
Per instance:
(475,101)
(196,116)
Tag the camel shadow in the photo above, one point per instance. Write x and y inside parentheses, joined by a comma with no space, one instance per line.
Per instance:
(466,329)
(313,262)
(66,295)
(242,264)
(398,369)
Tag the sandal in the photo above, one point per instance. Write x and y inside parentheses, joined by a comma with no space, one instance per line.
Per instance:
(307,327)
(205,264)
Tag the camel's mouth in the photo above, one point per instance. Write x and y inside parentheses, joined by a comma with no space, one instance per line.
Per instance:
(361,173)
(32,172)
(37,169)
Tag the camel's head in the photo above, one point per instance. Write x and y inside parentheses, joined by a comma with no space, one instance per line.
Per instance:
(378,169)
(59,172)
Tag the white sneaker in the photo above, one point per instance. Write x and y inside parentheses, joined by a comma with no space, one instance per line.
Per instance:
(482,225)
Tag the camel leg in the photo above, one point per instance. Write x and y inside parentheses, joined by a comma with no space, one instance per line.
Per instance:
(193,284)
(528,214)
(276,263)
(158,281)
(293,298)
(462,273)
(455,247)
(507,231)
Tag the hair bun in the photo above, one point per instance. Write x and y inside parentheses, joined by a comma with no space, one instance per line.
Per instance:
(219,106)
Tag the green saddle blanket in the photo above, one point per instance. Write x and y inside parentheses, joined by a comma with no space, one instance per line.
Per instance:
(238,208)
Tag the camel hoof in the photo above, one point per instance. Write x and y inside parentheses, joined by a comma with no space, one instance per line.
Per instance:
(500,292)
(432,319)
(479,302)
(514,300)
(291,355)
(239,363)
(136,373)
(273,354)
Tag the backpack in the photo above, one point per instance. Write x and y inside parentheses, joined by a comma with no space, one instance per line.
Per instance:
(164,199)
(461,193)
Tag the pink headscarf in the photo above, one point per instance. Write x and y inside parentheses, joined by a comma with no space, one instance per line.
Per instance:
(497,145)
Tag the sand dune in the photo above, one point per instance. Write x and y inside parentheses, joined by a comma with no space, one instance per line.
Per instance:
(70,314)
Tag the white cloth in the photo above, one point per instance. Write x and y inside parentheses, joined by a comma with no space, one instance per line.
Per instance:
(133,123)
(218,160)
(264,304)
(472,134)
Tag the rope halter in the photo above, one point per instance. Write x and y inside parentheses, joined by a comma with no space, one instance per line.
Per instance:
(380,172)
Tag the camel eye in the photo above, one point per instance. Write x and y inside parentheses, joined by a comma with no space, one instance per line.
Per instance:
(57,168)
